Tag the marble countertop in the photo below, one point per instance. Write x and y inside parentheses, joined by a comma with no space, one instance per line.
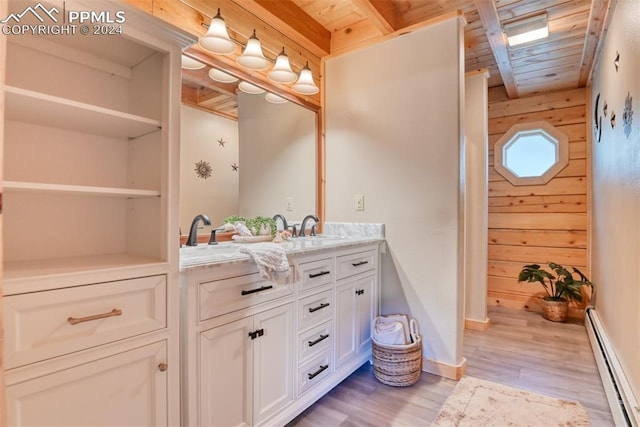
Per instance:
(205,256)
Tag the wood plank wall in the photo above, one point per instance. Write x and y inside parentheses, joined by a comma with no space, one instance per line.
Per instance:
(537,223)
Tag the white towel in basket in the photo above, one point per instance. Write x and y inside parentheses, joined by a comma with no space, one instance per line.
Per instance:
(270,258)
(390,333)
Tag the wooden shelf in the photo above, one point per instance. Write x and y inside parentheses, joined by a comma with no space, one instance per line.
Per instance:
(34,107)
(37,275)
(80,190)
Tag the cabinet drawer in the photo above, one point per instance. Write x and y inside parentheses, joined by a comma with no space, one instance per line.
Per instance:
(312,373)
(315,308)
(226,295)
(348,265)
(316,273)
(42,325)
(315,341)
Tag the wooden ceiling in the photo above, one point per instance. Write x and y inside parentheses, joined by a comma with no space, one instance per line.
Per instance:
(311,30)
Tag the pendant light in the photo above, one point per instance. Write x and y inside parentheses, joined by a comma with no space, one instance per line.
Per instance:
(191,64)
(221,76)
(281,71)
(252,57)
(305,84)
(217,40)
(274,99)
(247,87)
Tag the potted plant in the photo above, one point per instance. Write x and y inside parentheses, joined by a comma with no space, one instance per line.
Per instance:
(561,287)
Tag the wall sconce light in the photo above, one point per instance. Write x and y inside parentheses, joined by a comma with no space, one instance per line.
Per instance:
(305,84)
(216,39)
(247,87)
(274,99)
(527,30)
(191,64)
(281,71)
(253,57)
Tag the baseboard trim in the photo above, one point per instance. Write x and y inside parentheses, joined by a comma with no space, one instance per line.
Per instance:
(477,325)
(454,372)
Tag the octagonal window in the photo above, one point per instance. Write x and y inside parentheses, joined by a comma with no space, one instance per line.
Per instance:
(531,153)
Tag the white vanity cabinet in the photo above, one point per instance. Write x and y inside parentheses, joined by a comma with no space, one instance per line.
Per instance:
(90,273)
(258,352)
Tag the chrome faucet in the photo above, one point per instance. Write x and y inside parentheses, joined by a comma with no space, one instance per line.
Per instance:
(192,240)
(285,226)
(304,224)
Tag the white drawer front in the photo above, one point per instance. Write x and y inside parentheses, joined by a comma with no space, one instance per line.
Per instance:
(312,373)
(349,265)
(316,273)
(315,308)
(315,341)
(46,324)
(226,295)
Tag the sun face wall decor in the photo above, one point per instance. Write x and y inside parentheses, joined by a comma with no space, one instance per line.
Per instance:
(203,169)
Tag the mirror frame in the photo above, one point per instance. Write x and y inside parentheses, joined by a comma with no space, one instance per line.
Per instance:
(228,66)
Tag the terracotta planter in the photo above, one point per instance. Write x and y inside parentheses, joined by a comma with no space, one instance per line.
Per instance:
(556,311)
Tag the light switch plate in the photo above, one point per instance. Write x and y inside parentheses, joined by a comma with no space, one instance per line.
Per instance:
(359,201)
(289,203)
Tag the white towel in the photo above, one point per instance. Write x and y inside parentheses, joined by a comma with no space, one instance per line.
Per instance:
(270,258)
(390,333)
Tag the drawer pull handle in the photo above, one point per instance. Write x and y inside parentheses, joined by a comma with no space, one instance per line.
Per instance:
(322,273)
(358,264)
(162,367)
(112,313)
(359,291)
(318,372)
(320,307)
(322,338)
(256,334)
(253,291)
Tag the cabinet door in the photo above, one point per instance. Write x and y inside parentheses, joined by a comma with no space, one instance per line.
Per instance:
(226,365)
(126,389)
(273,361)
(354,315)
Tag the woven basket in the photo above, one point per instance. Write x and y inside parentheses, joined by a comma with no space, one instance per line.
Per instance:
(397,365)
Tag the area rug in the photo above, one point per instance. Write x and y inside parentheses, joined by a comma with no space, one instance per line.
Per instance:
(476,402)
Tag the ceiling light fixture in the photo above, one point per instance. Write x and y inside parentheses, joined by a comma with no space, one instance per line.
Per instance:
(191,64)
(281,71)
(252,57)
(527,30)
(216,39)
(305,84)
(221,76)
(274,99)
(247,87)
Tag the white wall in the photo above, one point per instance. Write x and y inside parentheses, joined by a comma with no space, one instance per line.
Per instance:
(616,191)
(277,158)
(476,202)
(394,120)
(216,196)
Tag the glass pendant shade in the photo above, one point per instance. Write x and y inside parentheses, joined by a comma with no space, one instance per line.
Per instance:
(247,87)
(191,64)
(305,84)
(221,76)
(217,40)
(252,57)
(274,99)
(281,71)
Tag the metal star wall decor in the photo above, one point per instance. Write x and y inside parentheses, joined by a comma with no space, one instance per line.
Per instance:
(221,142)
(616,62)
(203,169)
(613,119)
(234,167)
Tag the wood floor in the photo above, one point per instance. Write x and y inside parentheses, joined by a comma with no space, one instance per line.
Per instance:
(520,349)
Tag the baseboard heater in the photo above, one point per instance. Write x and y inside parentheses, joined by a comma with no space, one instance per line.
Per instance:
(623,404)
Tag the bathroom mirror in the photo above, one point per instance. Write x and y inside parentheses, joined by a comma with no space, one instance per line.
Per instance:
(252,157)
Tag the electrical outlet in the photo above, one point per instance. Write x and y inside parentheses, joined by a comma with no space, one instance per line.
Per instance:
(359,201)
(289,203)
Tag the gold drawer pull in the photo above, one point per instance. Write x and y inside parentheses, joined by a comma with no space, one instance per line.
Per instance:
(162,367)
(112,313)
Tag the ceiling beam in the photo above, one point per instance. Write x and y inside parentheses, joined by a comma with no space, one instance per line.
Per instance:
(286,17)
(498,42)
(595,30)
(381,13)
